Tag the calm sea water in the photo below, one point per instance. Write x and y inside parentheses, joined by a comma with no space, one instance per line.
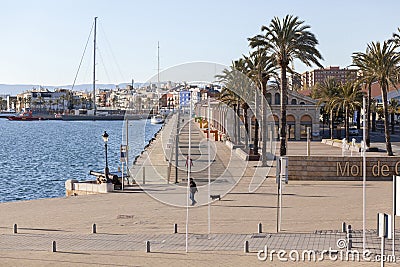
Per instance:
(37,157)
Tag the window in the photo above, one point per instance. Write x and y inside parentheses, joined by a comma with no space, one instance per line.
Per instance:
(294,101)
(277,99)
(269,98)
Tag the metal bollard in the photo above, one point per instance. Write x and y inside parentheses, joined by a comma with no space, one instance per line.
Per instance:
(246,246)
(349,241)
(349,228)
(15,228)
(94,228)
(344,230)
(147,246)
(175,228)
(54,246)
(259,228)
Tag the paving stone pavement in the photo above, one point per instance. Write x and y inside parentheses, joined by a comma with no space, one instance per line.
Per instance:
(317,241)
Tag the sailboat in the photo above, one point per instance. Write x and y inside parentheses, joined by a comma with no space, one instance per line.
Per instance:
(158,118)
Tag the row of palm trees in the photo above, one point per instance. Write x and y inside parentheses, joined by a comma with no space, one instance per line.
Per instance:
(380,63)
(281,42)
(272,52)
(339,98)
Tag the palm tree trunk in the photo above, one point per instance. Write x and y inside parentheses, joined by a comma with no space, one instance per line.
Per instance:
(246,124)
(246,119)
(264,124)
(386,116)
(346,123)
(238,123)
(234,124)
(256,128)
(358,118)
(368,114)
(332,123)
(283,147)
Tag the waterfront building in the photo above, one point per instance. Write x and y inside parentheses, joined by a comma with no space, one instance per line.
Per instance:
(302,114)
(311,78)
(43,99)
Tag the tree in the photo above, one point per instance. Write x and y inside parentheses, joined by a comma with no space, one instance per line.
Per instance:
(286,40)
(382,62)
(260,69)
(393,106)
(348,99)
(326,91)
(232,93)
(366,79)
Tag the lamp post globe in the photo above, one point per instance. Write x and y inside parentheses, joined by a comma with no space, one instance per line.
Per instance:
(105,139)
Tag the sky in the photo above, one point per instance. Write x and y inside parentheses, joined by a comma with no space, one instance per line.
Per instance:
(42,41)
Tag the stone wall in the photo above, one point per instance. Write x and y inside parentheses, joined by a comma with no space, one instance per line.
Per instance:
(342,168)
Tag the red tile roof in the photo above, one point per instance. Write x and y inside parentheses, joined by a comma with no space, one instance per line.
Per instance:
(376,89)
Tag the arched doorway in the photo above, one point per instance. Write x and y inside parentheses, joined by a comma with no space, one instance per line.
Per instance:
(305,123)
(276,127)
(291,126)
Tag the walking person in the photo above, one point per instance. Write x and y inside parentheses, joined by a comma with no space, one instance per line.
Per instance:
(188,161)
(192,191)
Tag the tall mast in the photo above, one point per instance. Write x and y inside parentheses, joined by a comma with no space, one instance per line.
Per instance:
(158,64)
(94,66)
(158,76)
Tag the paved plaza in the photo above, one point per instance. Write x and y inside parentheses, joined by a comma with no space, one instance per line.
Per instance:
(311,217)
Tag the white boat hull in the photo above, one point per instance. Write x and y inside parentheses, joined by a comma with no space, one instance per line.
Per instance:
(156,120)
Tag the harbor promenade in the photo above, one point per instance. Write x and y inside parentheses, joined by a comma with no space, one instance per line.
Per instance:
(311,220)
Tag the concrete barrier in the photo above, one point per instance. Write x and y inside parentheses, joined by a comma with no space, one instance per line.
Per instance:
(337,168)
(243,155)
(74,187)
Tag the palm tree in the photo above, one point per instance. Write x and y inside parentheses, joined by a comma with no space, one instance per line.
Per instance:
(260,68)
(230,98)
(366,79)
(348,99)
(326,91)
(233,92)
(393,106)
(382,63)
(287,40)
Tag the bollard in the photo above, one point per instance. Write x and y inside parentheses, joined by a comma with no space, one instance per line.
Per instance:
(54,246)
(349,241)
(344,230)
(175,228)
(259,228)
(349,228)
(94,228)
(246,246)
(144,175)
(147,246)
(15,228)
(349,237)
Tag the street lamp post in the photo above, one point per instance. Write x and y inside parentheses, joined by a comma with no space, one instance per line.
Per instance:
(105,139)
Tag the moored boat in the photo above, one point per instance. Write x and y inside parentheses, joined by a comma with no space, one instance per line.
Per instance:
(26,116)
(157,119)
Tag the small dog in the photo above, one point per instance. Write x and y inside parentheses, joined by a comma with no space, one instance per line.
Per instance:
(215,197)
